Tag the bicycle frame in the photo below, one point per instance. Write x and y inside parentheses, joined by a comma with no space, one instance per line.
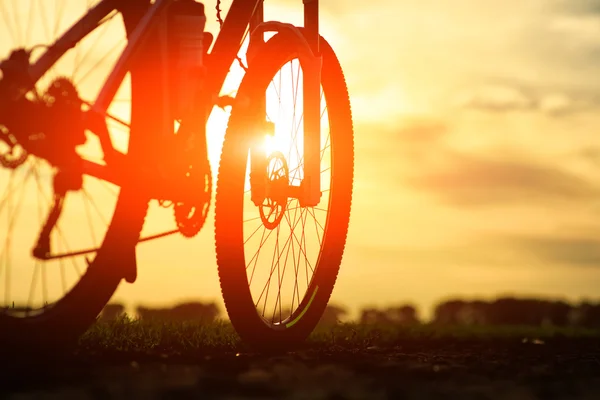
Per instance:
(243,14)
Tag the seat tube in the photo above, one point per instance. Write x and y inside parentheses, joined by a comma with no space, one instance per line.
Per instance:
(312,108)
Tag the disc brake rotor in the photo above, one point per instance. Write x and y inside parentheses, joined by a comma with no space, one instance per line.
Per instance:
(274,205)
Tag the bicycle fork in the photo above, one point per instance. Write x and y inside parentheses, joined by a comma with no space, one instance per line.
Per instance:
(308,192)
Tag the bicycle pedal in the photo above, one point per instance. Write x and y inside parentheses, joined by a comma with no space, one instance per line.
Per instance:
(129,263)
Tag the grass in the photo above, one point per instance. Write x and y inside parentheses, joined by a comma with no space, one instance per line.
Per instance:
(126,336)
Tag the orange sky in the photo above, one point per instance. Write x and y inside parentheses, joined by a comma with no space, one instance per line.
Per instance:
(476,154)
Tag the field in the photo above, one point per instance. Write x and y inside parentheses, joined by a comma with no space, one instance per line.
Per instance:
(136,359)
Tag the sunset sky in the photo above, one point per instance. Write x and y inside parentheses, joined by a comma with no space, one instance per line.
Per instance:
(477,130)
(477,153)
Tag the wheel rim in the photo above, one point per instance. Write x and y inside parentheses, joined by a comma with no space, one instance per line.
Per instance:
(29,286)
(281,260)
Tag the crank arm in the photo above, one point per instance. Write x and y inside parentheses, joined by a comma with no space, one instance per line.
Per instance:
(145,181)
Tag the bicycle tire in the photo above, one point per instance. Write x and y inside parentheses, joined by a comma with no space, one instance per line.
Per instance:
(59,325)
(229,236)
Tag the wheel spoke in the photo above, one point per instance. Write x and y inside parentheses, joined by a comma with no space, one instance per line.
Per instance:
(44,17)
(268,284)
(32,288)
(296,290)
(8,23)
(29,282)
(90,51)
(291,237)
(18,28)
(274,263)
(91,200)
(295,217)
(59,10)
(29,23)
(158,235)
(88,215)
(255,257)
(98,63)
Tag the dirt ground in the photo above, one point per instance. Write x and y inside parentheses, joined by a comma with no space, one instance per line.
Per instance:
(561,369)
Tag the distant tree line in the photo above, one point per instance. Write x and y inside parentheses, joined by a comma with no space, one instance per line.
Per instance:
(398,315)
(517,311)
(501,311)
(188,311)
(206,312)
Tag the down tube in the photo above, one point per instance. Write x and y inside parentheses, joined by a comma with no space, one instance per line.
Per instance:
(228,43)
(120,70)
(111,85)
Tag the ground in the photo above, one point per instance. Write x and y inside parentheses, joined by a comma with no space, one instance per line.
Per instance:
(156,361)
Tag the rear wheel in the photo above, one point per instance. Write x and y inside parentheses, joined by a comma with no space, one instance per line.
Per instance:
(82,237)
(278,261)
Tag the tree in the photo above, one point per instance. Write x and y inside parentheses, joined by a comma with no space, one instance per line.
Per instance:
(402,315)
(373,316)
(449,312)
(332,315)
(189,311)
(589,315)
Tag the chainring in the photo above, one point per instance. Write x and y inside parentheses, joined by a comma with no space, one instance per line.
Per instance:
(190,218)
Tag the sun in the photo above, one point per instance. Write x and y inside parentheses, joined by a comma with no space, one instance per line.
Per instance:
(217,126)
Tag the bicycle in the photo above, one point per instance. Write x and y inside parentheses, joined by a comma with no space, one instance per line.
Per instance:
(144,140)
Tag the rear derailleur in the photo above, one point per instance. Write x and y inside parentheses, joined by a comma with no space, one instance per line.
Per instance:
(61,139)
(48,126)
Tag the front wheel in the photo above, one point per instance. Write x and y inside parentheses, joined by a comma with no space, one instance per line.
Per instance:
(278,261)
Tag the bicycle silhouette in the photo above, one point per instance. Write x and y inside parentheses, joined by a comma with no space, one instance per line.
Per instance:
(86,149)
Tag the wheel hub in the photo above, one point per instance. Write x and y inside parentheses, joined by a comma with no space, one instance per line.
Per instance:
(56,129)
(274,204)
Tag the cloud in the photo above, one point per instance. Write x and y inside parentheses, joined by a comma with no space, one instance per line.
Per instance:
(421,130)
(500,250)
(576,251)
(466,180)
(591,155)
(461,253)
(418,50)
(410,134)
(577,7)
(499,98)
(513,97)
